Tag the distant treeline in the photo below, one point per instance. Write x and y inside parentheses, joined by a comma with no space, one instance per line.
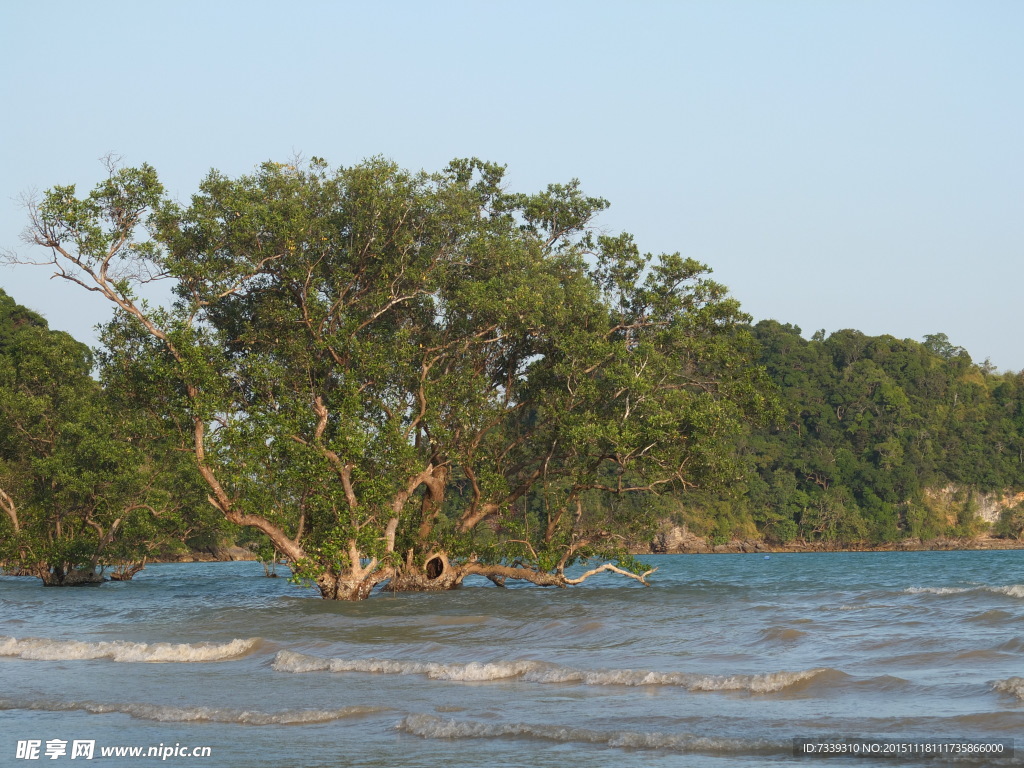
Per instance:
(880,439)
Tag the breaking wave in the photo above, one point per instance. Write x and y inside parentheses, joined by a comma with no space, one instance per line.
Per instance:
(1013,686)
(1015,590)
(540,672)
(1012,590)
(432,727)
(166,714)
(44,649)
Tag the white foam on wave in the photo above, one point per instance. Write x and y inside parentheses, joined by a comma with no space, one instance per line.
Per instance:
(289,661)
(1013,686)
(1014,590)
(45,649)
(432,727)
(165,714)
(540,672)
(1011,590)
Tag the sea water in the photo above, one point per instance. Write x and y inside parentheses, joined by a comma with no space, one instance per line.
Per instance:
(724,660)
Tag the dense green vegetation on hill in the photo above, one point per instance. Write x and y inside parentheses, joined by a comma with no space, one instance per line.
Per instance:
(874,428)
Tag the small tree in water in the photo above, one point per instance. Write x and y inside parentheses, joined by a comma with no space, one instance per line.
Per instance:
(412,377)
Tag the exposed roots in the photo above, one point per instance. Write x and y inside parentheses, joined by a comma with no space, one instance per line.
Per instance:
(72,577)
(127,571)
(437,575)
(348,586)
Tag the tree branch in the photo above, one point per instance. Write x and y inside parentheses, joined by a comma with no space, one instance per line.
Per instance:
(11,509)
(642,578)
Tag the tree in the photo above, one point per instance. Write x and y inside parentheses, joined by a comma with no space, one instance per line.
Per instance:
(939,344)
(80,481)
(411,377)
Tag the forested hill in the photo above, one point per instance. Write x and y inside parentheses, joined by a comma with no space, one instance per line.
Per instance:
(882,439)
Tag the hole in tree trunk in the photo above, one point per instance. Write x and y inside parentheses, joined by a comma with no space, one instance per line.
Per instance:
(434,568)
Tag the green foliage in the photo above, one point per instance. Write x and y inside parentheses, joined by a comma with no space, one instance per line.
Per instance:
(1011,522)
(871,425)
(373,364)
(83,482)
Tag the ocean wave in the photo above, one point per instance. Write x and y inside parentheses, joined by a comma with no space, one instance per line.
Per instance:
(782,634)
(1015,590)
(45,649)
(882,683)
(432,727)
(541,672)
(1011,590)
(1013,686)
(165,714)
(994,616)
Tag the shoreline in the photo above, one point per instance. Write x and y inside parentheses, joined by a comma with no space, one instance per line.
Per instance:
(699,546)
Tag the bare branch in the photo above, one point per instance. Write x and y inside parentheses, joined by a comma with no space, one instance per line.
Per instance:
(642,578)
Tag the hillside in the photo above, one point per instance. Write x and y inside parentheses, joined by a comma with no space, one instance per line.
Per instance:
(881,440)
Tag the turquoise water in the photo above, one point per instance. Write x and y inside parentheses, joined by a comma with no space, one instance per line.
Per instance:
(723,661)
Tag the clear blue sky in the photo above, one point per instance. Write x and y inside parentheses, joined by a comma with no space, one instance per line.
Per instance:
(838,164)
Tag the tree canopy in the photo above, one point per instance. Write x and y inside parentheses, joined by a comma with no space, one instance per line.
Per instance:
(83,484)
(412,377)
